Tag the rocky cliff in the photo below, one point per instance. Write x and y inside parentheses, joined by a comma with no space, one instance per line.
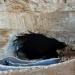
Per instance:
(54,18)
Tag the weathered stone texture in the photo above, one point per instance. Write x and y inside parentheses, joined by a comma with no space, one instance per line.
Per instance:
(55,18)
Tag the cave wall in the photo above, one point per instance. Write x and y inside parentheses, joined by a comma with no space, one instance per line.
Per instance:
(54,18)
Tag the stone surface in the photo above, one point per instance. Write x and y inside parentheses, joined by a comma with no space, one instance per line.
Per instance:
(54,18)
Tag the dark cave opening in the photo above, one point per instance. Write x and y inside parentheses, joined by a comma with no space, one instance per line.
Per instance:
(36,46)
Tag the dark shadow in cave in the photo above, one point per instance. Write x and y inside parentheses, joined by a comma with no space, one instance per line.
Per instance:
(36,46)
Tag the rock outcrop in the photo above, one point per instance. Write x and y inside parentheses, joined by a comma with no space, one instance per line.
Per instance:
(54,18)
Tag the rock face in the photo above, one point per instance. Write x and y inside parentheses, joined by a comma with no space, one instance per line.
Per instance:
(54,18)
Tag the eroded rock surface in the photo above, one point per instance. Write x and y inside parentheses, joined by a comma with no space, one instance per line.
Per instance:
(54,18)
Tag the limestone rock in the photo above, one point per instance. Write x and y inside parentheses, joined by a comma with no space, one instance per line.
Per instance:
(32,5)
(54,18)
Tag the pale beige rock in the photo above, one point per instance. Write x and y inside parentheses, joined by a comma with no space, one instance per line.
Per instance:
(33,5)
(54,18)
(70,5)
